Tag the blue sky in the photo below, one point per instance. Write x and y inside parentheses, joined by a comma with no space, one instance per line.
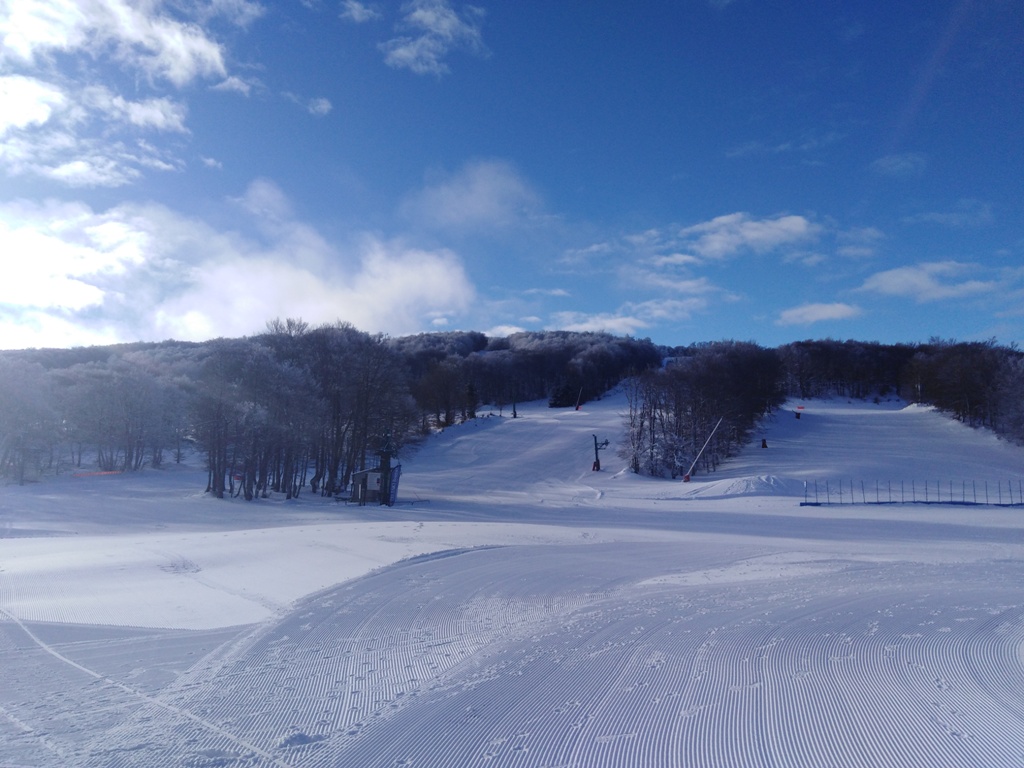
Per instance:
(685,170)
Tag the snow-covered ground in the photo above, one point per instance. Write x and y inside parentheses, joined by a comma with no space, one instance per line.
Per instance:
(518,609)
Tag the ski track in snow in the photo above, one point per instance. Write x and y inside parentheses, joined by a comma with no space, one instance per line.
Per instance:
(620,621)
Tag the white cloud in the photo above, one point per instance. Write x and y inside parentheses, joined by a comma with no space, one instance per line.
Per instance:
(588,254)
(397,286)
(141,36)
(808,314)
(29,27)
(930,281)
(319,107)
(58,123)
(27,101)
(380,287)
(560,293)
(859,242)
(358,12)
(437,30)
(266,203)
(235,84)
(966,213)
(64,156)
(239,12)
(693,286)
(616,323)
(160,114)
(808,142)
(501,331)
(728,235)
(86,137)
(145,271)
(631,317)
(26,328)
(91,170)
(901,164)
(676,260)
(483,194)
(52,254)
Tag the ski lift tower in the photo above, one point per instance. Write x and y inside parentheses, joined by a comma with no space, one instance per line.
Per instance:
(388,475)
(597,455)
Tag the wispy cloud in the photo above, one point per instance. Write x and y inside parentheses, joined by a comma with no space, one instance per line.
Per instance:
(143,37)
(808,314)
(686,286)
(669,263)
(901,164)
(435,30)
(632,317)
(235,84)
(966,213)
(809,142)
(483,194)
(859,242)
(318,107)
(930,281)
(158,114)
(729,235)
(589,253)
(359,13)
(59,124)
(554,292)
(65,157)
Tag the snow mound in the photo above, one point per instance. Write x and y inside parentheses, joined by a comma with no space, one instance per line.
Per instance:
(750,485)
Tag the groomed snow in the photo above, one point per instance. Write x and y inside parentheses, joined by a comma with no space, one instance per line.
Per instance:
(517,608)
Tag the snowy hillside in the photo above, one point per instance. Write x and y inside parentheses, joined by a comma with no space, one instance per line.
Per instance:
(517,608)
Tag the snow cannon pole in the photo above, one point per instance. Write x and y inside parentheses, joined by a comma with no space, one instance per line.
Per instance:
(686,477)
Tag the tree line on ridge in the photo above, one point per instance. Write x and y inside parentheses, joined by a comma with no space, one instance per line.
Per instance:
(301,408)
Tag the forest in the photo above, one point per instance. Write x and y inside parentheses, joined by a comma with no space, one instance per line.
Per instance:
(297,408)
(715,393)
(300,409)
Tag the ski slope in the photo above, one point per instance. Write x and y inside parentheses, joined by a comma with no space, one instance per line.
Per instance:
(517,608)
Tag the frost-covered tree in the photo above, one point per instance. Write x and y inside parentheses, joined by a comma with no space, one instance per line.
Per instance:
(28,419)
